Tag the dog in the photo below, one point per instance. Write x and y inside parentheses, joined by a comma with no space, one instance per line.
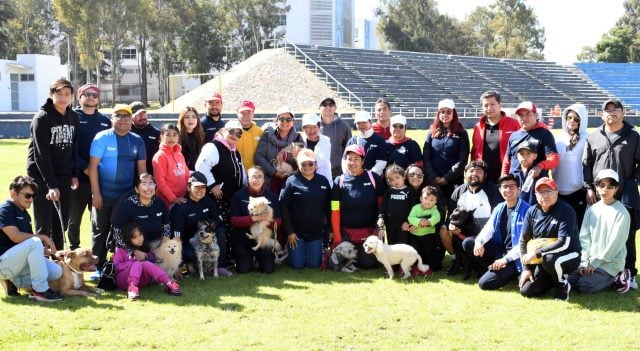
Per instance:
(343,257)
(207,250)
(259,230)
(74,264)
(389,255)
(285,161)
(463,219)
(168,254)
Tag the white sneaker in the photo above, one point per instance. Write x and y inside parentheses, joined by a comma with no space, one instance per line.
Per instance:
(633,284)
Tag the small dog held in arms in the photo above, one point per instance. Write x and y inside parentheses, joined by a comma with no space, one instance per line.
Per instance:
(169,255)
(73,264)
(259,231)
(389,255)
(207,250)
(343,257)
(285,161)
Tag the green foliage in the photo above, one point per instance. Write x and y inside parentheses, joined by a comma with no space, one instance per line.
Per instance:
(6,15)
(32,30)
(622,42)
(202,41)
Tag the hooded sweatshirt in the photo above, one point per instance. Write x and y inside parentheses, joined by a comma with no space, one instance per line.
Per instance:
(568,174)
(171,173)
(53,149)
(339,134)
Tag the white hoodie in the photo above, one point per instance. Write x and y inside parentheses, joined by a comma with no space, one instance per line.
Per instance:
(568,174)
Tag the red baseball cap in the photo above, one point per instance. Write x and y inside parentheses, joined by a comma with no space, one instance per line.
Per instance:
(245,105)
(355,148)
(526,105)
(214,97)
(546,181)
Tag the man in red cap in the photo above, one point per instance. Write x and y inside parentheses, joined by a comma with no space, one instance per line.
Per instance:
(550,218)
(90,122)
(212,120)
(248,143)
(535,132)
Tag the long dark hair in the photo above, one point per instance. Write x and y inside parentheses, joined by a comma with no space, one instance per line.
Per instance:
(198,132)
(127,233)
(437,130)
(574,134)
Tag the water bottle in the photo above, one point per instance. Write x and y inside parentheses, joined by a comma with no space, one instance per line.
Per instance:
(526,187)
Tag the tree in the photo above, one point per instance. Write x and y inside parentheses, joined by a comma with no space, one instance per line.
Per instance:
(141,26)
(587,54)
(615,46)
(33,29)
(631,21)
(6,15)
(418,26)
(517,33)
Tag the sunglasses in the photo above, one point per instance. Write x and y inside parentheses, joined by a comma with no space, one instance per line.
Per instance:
(573,118)
(28,195)
(416,175)
(285,119)
(93,95)
(236,132)
(608,186)
(328,104)
(398,126)
(308,164)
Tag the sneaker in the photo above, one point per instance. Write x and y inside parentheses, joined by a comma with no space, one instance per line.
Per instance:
(9,288)
(623,281)
(223,272)
(173,288)
(427,273)
(562,293)
(633,284)
(45,296)
(96,275)
(133,293)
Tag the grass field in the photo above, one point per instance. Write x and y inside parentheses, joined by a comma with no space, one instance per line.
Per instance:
(315,310)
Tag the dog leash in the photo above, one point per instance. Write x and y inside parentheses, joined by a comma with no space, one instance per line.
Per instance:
(58,207)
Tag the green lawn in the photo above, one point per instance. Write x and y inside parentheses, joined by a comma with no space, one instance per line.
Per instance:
(315,310)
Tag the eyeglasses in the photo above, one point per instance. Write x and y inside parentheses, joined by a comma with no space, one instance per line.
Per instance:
(28,195)
(416,175)
(148,185)
(545,192)
(613,111)
(328,104)
(285,119)
(446,112)
(122,117)
(308,164)
(236,132)
(608,186)
(398,126)
(508,186)
(93,95)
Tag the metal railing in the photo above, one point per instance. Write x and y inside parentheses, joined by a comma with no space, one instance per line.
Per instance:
(351,97)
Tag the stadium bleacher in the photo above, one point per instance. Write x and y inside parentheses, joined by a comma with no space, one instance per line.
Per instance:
(417,81)
(620,79)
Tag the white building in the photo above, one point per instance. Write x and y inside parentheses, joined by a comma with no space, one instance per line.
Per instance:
(321,22)
(365,34)
(24,82)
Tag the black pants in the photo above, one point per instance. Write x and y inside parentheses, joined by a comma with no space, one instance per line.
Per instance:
(46,219)
(577,200)
(395,235)
(427,247)
(244,259)
(551,273)
(630,260)
(80,201)
(100,227)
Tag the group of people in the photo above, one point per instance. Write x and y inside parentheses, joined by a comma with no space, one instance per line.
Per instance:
(485,200)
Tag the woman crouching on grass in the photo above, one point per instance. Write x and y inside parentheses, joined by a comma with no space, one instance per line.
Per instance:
(133,273)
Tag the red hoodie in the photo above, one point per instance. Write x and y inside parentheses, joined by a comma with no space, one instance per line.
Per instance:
(171,173)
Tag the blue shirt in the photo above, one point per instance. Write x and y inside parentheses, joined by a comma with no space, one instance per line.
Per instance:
(88,127)
(358,197)
(12,216)
(306,206)
(118,161)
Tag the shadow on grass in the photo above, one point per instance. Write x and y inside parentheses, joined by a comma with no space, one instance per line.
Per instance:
(72,303)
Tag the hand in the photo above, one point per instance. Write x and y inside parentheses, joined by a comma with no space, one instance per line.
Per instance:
(380,223)
(179,200)
(293,240)
(96,201)
(524,277)
(49,246)
(528,258)
(262,217)
(453,230)
(74,183)
(591,196)
(440,181)
(53,194)
(424,222)
(280,175)
(588,270)
(139,255)
(478,250)
(535,171)
(405,226)
(165,239)
(217,191)
(498,264)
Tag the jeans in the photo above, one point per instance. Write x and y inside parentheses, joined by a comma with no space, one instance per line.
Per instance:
(25,265)
(80,200)
(595,282)
(306,254)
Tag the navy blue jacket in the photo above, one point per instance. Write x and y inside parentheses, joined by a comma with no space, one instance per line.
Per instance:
(185,217)
(306,207)
(88,127)
(151,137)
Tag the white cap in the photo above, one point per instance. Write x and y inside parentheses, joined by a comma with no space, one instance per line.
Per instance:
(399,119)
(607,173)
(446,103)
(310,119)
(285,109)
(362,116)
(233,124)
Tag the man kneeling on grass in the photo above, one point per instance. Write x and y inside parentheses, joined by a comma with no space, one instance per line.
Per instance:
(603,236)
(22,261)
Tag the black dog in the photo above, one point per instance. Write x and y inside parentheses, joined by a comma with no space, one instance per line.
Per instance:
(463,220)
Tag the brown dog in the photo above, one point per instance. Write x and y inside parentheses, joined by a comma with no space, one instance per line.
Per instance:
(73,264)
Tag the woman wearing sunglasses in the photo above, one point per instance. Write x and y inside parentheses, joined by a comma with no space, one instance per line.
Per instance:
(404,150)
(270,149)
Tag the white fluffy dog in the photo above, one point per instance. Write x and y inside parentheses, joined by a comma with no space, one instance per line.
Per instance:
(169,256)
(259,230)
(388,255)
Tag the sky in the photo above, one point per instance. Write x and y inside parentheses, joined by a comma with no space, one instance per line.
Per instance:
(569,24)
